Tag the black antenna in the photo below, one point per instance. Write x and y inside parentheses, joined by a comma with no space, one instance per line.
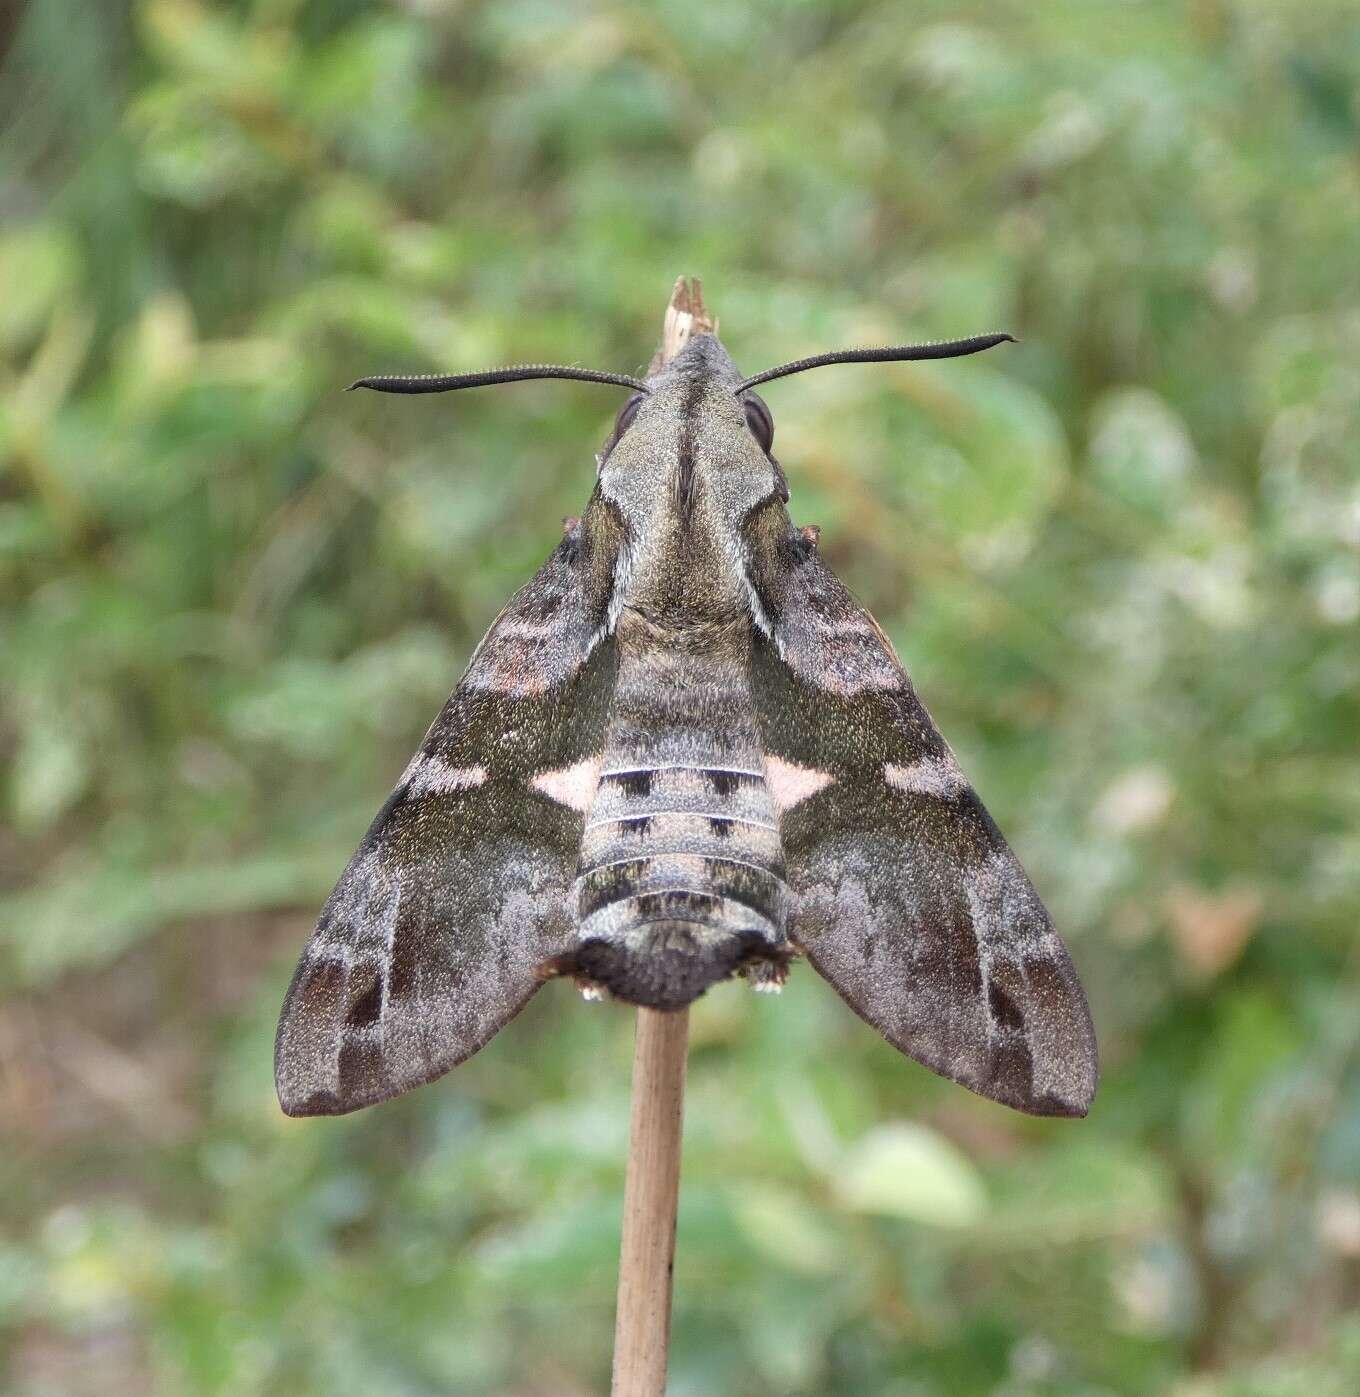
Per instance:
(446,383)
(945,349)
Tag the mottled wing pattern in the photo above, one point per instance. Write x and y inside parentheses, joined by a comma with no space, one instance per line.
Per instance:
(904,894)
(461,887)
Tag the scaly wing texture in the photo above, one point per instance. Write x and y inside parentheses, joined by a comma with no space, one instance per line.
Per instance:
(905,896)
(461,887)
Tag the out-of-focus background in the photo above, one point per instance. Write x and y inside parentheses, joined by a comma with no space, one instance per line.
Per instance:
(1120,560)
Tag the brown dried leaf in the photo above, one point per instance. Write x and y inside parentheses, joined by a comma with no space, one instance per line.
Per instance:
(1210,930)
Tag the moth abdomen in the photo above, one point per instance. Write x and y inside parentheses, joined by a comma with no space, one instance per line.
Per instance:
(758,889)
(680,880)
(682,832)
(669,962)
(683,788)
(659,927)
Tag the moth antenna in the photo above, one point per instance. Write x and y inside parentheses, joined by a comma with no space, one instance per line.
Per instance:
(943,349)
(447,383)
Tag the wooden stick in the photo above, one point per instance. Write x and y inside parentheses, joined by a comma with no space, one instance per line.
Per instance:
(642,1326)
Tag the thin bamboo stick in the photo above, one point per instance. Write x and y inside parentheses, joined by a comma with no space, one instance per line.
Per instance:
(647,1257)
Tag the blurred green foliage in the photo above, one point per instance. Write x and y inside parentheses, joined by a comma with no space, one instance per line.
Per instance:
(1120,559)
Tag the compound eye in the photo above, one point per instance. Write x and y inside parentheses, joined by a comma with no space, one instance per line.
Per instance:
(760,422)
(622,423)
(626,414)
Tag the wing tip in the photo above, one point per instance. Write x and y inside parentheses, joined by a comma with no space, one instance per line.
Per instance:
(301,1100)
(1075,1107)
(1060,1084)
(1070,1100)
(300,1095)
(314,1104)
(1069,1084)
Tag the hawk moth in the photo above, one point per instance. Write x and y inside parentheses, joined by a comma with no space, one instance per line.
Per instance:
(683,752)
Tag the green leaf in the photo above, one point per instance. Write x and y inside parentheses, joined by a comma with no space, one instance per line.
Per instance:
(39,264)
(909,1171)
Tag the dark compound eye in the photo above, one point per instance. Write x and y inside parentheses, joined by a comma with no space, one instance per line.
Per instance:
(760,422)
(626,414)
(622,423)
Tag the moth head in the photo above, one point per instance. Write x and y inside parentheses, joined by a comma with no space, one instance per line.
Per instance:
(691,445)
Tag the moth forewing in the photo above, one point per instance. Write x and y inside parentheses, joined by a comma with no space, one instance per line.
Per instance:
(462,887)
(903,893)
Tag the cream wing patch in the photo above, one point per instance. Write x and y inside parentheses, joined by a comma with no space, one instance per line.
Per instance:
(431,775)
(931,776)
(789,784)
(573,786)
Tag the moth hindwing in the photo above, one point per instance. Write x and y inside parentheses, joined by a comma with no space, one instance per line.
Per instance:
(684,752)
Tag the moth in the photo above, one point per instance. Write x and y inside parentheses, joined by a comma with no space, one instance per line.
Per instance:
(684,752)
